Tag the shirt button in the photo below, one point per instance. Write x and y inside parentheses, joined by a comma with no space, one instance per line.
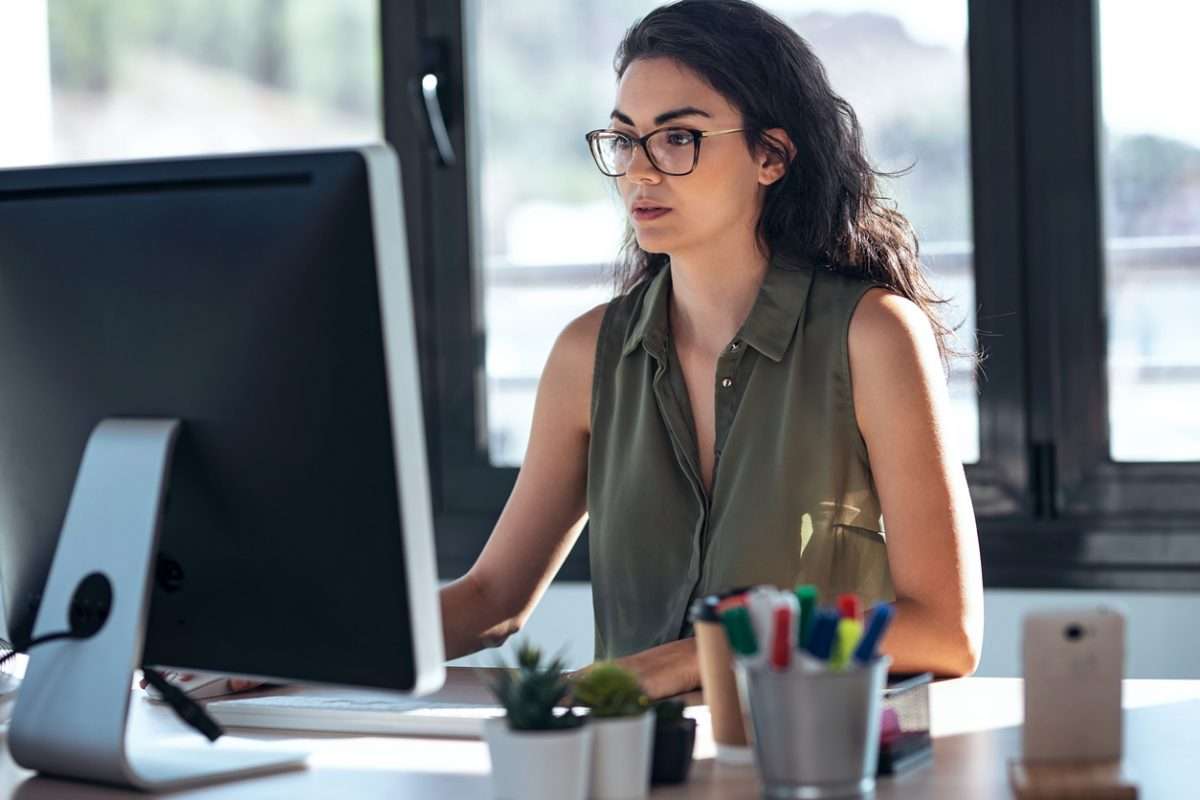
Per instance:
(734,346)
(727,383)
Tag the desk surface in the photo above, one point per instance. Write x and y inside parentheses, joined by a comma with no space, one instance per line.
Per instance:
(975,726)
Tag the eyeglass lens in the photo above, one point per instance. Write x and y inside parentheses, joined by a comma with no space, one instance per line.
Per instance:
(672,150)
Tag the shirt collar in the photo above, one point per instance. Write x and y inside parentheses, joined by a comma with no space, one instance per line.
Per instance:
(652,322)
(769,328)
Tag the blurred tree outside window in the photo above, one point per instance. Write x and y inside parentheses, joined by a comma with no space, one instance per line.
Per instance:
(148,78)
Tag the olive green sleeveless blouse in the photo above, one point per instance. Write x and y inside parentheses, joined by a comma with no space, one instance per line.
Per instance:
(793,499)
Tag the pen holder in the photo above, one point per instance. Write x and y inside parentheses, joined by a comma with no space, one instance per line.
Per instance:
(815,732)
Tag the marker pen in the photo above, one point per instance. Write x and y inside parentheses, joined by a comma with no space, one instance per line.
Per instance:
(824,630)
(740,631)
(783,630)
(849,631)
(730,602)
(760,602)
(849,606)
(806,596)
(877,624)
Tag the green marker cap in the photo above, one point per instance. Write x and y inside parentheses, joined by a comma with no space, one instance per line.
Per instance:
(739,630)
(806,593)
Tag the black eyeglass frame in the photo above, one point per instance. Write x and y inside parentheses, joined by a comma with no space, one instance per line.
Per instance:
(697,135)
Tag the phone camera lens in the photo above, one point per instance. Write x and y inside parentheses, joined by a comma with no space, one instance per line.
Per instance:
(1073,632)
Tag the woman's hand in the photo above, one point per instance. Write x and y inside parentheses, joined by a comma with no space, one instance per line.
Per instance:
(233,685)
(663,671)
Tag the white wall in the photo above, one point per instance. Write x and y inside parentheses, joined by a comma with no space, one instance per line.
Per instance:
(1162,634)
(1162,629)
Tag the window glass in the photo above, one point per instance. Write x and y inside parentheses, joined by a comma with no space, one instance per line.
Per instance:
(1151,189)
(145,78)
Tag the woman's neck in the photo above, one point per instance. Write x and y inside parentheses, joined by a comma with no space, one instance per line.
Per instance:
(711,296)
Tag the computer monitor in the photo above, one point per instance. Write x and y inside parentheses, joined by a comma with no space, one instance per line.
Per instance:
(263,301)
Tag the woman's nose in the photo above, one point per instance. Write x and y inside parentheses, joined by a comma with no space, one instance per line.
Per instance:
(640,169)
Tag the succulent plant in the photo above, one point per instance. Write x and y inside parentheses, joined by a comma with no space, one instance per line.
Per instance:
(610,690)
(530,692)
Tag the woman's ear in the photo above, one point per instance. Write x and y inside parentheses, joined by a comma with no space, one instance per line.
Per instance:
(770,167)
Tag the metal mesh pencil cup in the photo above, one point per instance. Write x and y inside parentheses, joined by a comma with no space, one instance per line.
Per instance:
(816,734)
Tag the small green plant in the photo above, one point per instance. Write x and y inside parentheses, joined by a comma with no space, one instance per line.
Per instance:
(668,712)
(610,691)
(531,691)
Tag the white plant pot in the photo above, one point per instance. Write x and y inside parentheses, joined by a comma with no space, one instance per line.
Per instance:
(538,765)
(622,749)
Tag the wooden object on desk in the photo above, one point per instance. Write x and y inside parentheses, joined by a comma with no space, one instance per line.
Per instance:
(1048,780)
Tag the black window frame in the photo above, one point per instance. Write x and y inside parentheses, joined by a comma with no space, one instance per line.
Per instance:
(1053,511)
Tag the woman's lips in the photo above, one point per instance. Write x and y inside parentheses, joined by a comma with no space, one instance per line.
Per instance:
(647,214)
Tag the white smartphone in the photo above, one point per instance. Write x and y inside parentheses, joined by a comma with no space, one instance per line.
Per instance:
(1073,665)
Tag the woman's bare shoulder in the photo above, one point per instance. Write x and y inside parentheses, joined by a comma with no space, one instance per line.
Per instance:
(567,379)
(581,334)
(574,352)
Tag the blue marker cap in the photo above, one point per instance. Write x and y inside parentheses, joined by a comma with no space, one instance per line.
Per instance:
(824,630)
(881,617)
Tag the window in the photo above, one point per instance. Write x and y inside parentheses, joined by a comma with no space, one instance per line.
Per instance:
(1151,194)
(170,77)
(540,76)
(1055,198)
(1006,197)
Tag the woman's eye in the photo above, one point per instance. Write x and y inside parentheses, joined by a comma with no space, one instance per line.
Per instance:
(679,138)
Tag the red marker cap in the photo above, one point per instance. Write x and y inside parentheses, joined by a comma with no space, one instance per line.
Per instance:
(731,602)
(849,606)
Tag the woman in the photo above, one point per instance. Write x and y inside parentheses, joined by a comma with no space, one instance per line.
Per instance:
(768,386)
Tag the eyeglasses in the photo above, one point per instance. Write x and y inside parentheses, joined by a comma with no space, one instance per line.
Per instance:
(671,151)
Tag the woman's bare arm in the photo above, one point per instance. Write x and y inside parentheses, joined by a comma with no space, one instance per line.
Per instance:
(543,515)
(903,409)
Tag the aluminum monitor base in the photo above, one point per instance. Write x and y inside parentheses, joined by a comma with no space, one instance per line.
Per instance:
(72,712)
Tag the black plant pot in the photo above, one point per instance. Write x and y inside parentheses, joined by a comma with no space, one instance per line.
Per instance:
(673,745)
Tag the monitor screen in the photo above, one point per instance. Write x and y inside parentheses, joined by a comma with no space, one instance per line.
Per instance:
(263,301)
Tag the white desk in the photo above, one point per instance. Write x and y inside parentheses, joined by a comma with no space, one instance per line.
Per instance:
(974,726)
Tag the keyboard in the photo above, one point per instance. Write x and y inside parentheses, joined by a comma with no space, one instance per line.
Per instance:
(354,711)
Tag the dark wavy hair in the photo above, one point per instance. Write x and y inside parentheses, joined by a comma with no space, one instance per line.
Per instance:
(826,209)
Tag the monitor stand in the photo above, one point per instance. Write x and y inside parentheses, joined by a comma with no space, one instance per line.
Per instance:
(72,713)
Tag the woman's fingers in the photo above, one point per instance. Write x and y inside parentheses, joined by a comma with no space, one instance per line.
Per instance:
(233,684)
(170,676)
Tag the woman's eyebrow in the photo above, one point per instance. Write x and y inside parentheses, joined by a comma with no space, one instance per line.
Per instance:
(661,118)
